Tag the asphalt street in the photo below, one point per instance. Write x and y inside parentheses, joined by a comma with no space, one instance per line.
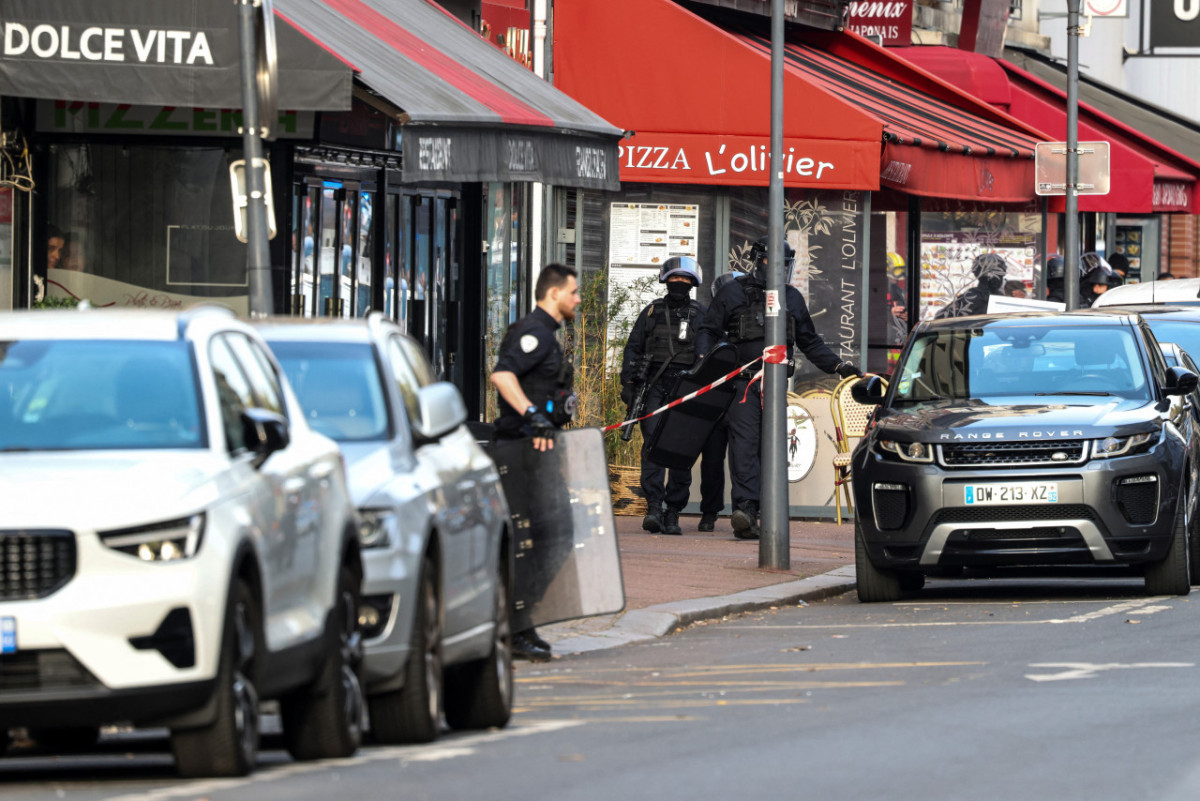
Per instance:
(1031,689)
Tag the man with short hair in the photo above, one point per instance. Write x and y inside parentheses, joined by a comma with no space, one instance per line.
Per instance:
(534,384)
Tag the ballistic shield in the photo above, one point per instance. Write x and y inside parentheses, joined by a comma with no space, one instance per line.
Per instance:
(680,435)
(564,535)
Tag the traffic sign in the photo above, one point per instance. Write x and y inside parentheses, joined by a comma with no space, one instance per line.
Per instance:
(1050,168)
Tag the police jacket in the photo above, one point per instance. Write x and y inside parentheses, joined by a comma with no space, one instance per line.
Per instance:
(733,317)
(662,340)
(1055,292)
(531,352)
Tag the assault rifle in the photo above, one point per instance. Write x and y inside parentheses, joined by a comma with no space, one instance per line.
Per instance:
(641,376)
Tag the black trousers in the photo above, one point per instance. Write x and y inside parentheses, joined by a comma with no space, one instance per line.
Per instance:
(712,469)
(744,421)
(658,483)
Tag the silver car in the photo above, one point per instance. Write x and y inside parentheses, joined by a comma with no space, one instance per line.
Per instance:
(437,548)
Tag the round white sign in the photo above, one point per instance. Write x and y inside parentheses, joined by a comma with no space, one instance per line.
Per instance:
(801,445)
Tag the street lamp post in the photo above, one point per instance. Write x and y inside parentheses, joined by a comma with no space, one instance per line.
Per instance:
(1071,251)
(774,546)
(258,256)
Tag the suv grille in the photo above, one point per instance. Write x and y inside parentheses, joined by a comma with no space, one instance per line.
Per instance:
(53,669)
(1005,514)
(976,454)
(34,564)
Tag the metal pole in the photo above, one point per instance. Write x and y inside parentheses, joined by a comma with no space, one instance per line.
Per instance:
(1071,251)
(258,254)
(774,545)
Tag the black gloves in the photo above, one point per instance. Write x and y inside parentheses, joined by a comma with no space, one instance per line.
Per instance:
(846,369)
(541,425)
(627,394)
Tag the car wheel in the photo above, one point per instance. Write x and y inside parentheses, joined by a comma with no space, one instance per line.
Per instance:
(413,714)
(229,745)
(874,584)
(479,695)
(1193,536)
(325,720)
(1172,575)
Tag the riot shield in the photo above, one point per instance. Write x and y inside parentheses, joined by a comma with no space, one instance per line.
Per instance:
(681,433)
(565,537)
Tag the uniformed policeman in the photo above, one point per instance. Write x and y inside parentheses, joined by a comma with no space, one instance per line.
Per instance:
(989,270)
(660,346)
(1096,279)
(738,314)
(534,383)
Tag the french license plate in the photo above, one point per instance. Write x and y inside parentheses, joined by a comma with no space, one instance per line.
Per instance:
(1016,492)
(8,635)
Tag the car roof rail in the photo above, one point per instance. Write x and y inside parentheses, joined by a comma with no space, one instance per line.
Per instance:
(201,309)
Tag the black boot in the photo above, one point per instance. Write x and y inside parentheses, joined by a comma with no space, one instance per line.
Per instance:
(524,646)
(745,523)
(671,523)
(708,522)
(652,522)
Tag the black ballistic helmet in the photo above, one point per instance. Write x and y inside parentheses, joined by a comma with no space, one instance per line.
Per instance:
(989,267)
(1054,268)
(1095,270)
(721,280)
(758,255)
(681,265)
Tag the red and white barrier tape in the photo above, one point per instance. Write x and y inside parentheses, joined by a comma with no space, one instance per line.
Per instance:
(776,354)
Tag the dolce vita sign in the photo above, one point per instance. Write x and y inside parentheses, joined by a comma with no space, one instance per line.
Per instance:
(111,44)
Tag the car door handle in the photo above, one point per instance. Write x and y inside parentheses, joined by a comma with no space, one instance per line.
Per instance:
(294,485)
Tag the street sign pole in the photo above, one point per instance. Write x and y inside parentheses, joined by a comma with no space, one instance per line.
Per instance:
(258,255)
(1071,268)
(774,545)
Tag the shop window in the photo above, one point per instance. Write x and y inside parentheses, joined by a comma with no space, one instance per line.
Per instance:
(144,226)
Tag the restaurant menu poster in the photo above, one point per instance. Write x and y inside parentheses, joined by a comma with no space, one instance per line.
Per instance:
(946,260)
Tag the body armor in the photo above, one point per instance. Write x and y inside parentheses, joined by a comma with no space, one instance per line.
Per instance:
(748,322)
(672,340)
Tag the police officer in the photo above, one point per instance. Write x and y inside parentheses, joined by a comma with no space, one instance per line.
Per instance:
(712,455)
(660,346)
(738,314)
(1097,275)
(989,270)
(1055,276)
(534,382)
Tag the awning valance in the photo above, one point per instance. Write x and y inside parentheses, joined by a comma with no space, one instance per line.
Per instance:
(470,112)
(181,53)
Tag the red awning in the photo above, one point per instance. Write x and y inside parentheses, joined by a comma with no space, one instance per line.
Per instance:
(1145,175)
(855,117)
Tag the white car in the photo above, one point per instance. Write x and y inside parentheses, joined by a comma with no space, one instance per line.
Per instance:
(437,546)
(177,544)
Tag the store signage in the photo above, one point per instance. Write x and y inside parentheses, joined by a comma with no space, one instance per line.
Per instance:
(89,42)
(1106,8)
(68,116)
(737,160)
(888,21)
(1175,23)
(1172,196)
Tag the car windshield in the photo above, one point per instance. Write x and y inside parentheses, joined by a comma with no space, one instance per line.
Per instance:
(1006,361)
(98,395)
(338,386)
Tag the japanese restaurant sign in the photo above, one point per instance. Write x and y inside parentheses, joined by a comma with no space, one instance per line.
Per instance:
(886,20)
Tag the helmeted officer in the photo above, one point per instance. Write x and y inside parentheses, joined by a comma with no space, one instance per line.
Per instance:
(1096,279)
(534,383)
(1055,276)
(738,315)
(989,270)
(660,346)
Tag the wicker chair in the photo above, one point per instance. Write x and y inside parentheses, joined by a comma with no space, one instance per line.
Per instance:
(849,425)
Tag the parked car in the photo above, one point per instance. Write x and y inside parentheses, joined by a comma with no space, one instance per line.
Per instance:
(1175,292)
(1040,440)
(437,548)
(177,544)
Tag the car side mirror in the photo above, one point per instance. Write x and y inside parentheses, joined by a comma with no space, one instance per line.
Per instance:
(1180,381)
(868,391)
(265,432)
(441,410)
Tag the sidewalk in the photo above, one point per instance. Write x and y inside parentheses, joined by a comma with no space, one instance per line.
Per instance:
(671,582)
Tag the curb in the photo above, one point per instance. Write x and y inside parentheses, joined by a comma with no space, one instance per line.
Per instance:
(657,621)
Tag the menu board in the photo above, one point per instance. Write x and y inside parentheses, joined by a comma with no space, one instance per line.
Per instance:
(1129,242)
(946,260)
(651,233)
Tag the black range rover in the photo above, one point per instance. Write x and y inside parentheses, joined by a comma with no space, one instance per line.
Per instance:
(1030,440)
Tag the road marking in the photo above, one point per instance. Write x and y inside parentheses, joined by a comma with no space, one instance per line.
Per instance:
(460,746)
(1088,670)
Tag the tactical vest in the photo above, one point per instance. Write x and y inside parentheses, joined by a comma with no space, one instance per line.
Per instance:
(748,322)
(672,340)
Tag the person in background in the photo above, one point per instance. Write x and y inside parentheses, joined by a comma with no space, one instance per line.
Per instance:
(1014,289)
(56,243)
(1120,268)
(989,270)
(1165,276)
(1096,277)
(72,255)
(661,345)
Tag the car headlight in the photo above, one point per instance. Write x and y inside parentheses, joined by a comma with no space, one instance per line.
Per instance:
(908,451)
(167,541)
(374,527)
(1122,446)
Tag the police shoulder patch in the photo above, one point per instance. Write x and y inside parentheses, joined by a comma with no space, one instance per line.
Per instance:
(529,343)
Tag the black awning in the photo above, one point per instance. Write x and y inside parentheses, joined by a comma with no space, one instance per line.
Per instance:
(471,112)
(175,53)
